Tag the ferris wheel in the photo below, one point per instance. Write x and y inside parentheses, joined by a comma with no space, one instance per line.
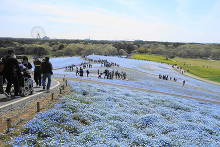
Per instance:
(37,32)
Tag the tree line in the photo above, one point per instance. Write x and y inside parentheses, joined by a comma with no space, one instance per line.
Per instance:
(103,47)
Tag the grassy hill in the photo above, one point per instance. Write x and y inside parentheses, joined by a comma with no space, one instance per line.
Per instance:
(208,69)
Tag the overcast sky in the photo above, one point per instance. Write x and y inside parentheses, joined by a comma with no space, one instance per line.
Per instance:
(160,20)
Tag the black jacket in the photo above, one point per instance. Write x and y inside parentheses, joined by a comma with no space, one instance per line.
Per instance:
(46,67)
(37,65)
(11,67)
(1,68)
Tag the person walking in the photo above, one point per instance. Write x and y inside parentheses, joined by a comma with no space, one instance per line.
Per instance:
(37,72)
(184,82)
(12,73)
(87,72)
(47,71)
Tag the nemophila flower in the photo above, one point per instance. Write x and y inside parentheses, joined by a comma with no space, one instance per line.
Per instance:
(216,115)
(59,140)
(58,116)
(19,140)
(35,126)
(122,117)
(26,141)
(149,120)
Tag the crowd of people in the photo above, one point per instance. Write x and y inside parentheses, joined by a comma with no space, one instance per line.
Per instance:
(13,71)
(167,77)
(83,65)
(180,69)
(80,72)
(106,74)
(104,63)
(70,68)
(112,74)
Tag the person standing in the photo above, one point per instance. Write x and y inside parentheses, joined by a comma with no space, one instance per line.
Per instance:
(46,69)
(81,72)
(77,71)
(87,72)
(12,73)
(37,72)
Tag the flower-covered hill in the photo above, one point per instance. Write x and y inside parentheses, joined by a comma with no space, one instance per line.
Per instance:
(144,74)
(61,62)
(154,68)
(101,115)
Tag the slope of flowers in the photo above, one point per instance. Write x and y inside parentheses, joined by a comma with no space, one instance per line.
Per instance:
(60,62)
(98,115)
(155,68)
(153,84)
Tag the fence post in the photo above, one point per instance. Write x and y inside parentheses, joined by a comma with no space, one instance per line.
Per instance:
(8,120)
(38,106)
(66,83)
(52,96)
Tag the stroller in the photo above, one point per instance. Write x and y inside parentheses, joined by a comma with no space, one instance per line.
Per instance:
(26,84)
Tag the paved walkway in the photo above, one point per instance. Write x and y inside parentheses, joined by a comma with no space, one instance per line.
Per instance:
(4,101)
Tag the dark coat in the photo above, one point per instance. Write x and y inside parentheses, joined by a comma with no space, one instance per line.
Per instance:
(11,68)
(46,67)
(37,65)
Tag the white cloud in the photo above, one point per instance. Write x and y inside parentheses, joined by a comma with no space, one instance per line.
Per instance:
(62,21)
(106,25)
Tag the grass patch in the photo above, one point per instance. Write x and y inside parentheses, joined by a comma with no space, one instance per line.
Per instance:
(82,100)
(207,69)
(8,136)
(81,120)
(155,58)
